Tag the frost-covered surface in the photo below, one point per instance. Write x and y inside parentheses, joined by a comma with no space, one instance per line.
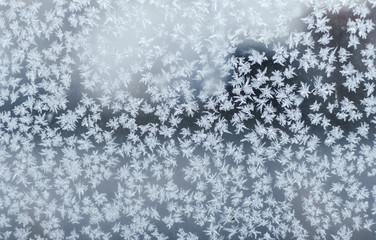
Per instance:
(187,119)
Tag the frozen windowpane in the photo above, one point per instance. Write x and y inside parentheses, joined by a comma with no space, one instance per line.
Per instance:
(205,119)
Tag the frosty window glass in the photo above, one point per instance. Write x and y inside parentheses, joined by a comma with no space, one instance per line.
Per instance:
(203,119)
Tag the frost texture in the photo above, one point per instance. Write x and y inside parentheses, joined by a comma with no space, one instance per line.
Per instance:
(187,119)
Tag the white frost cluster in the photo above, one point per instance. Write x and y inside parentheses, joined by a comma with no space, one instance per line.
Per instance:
(203,119)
